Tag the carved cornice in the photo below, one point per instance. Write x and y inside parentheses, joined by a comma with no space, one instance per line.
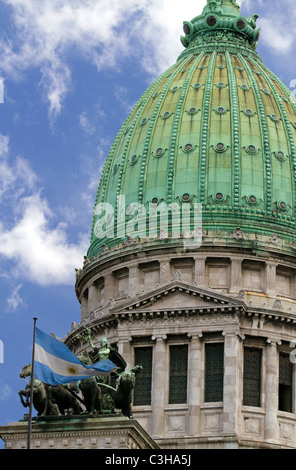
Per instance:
(206,295)
(96,326)
(263,315)
(207,322)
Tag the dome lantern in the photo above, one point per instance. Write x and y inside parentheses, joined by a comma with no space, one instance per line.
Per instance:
(221,18)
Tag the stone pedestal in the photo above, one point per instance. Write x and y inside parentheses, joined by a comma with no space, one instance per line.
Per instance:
(78,432)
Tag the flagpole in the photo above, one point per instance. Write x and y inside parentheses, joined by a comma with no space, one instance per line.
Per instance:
(31,388)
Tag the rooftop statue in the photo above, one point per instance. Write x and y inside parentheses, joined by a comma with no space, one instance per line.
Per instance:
(48,400)
(216,6)
(98,394)
(90,389)
(124,390)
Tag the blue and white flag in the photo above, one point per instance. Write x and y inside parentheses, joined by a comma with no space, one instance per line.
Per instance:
(55,364)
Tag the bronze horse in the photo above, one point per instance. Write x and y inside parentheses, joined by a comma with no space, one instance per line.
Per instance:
(39,394)
(54,400)
(125,385)
(48,400)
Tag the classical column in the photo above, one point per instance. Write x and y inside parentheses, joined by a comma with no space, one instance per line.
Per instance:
(84,304)
(236,275)
(109,289)
(126,351)
(134,281)
(164,272)
(270,278)
(194,386)
(271,391)
(200,271)
(232,387)
(159,386)
(92,297)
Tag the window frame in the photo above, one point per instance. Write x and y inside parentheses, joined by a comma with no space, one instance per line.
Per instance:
(176,345)
(140,375)
(284,352)
(261,384)
(206,344)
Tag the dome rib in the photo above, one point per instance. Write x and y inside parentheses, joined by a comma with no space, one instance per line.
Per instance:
(174,135)
(151,130)
(288,133)
(142,154)
(235,129)
(265,138)
(205,129)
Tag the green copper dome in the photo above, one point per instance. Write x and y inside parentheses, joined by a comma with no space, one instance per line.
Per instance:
(217,128)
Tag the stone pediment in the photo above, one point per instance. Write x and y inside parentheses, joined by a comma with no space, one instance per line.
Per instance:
(178,297)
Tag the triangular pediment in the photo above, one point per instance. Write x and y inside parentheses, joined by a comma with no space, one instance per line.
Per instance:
(178,296)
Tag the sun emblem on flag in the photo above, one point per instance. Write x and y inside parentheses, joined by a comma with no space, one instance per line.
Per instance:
(72,370)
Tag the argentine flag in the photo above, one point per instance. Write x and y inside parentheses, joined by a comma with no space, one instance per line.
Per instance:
(55,364)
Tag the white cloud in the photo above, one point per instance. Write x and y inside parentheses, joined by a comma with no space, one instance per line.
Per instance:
(4,145)
(278,27)
(41,253)
(38,249)
(105,33)
(15,175)
(102,32)
(15,300)
(275,36)
(86,124)
(56,79)
(47,30)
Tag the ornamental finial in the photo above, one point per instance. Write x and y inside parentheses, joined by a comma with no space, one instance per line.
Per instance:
(221,18)
(222,6)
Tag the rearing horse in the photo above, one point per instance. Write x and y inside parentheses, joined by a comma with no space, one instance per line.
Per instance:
(124,390)
(48,400)
(40,391)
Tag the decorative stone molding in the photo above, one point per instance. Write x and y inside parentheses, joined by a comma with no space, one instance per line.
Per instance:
(287,430)
(252,425)
(104,250)
(176,276)
(237,234)
(274,239)
(277,304)
(211,421)
(92,433)
(130,241)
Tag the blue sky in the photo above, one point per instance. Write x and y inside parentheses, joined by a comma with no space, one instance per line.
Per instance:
(72,70)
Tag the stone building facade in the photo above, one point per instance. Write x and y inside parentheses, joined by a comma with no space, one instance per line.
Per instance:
(213,325)
(226,320)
